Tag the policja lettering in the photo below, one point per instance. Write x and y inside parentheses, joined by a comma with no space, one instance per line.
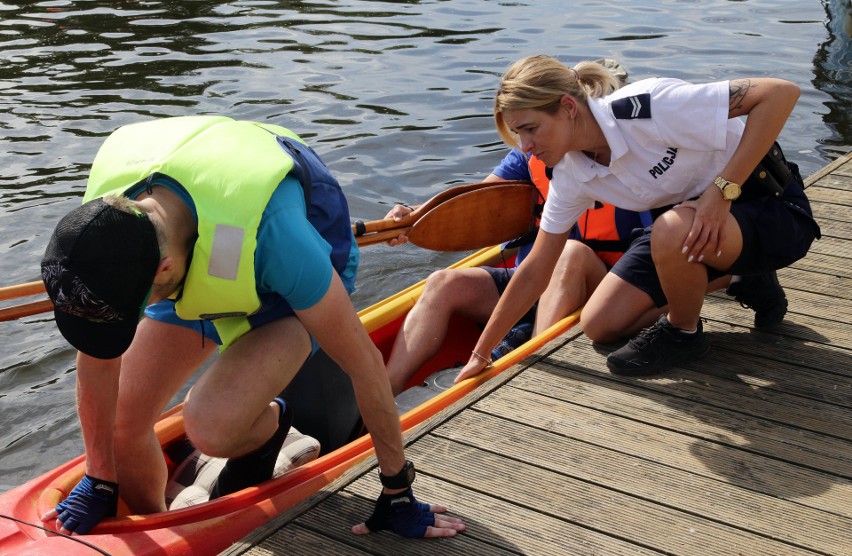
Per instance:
(663,165)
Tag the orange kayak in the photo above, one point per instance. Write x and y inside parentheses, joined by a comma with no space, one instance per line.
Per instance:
(212,526)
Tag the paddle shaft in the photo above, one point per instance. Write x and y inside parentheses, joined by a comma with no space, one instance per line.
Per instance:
(21,290)
(25,309)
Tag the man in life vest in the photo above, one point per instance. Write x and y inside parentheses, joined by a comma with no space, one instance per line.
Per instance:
(217,232)
(599,239)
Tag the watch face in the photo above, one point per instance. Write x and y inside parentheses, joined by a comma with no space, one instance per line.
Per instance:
(731,191)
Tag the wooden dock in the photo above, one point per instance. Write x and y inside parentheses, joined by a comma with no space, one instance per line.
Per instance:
(745,452)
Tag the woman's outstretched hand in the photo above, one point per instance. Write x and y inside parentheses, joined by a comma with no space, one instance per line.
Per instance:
(474,366)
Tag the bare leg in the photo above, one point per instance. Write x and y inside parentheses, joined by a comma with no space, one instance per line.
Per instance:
(160,360)
(577,274)
(229,411)
(683,282)
(617,309)
(469,291)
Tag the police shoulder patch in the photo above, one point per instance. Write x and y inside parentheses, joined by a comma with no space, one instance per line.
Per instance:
(631,108)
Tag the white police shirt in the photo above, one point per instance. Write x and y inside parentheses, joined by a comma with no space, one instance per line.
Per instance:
(669,140)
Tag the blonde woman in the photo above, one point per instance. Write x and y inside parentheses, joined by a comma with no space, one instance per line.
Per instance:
(657,144)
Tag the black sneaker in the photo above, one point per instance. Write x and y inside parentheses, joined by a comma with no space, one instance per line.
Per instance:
(657,348)
(764,294)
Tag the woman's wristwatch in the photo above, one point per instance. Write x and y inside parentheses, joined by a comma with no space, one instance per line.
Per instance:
(730,190)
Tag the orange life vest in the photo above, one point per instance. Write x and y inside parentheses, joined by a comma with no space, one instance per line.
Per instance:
(597,227)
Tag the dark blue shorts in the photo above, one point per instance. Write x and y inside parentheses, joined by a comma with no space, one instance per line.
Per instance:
(501,277)
(776,233)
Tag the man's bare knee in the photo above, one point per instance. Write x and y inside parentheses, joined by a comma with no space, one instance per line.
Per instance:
(207,434)
(437,282)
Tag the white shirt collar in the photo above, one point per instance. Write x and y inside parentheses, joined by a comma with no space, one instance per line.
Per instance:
(603,115)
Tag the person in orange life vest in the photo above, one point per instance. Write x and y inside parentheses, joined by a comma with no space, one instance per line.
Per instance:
(599,239)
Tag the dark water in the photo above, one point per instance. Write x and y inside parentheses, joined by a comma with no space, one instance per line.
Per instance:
(395,96)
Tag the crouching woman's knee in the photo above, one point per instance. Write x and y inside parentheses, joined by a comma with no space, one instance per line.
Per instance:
(669,233)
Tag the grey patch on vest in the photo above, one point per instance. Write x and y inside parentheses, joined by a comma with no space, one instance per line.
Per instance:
(632,108)
(225,256)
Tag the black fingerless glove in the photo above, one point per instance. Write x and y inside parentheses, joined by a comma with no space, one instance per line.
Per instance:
(402,514)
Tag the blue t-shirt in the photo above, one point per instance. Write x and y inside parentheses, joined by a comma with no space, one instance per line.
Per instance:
(514,166)
(292,265)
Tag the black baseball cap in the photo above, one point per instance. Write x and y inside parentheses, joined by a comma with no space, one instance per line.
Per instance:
(98,270)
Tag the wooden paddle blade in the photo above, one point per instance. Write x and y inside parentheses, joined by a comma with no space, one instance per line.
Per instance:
(457,190)
(364,230)
(477,219)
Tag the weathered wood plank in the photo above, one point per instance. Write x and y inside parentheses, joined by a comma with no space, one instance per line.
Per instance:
(585,504)
(841,165)
(822,194)
(297,540)
(796,327)
(824,211)
(592,420)
(831,246)
(808,302)
(805,371)
(828,263)
(657,483)
(500,523)
(335,516)
(665,402)
(838,180)
(793,279)
(846,168)
(721,381)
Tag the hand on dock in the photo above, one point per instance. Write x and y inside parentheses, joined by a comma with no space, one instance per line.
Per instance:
(405,516)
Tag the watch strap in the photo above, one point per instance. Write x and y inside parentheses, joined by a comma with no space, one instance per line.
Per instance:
(403,479)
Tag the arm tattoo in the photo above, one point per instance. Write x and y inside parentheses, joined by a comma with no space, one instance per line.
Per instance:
(739,89)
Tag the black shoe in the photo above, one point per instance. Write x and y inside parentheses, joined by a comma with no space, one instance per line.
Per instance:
(657,348)
(764,294)
(257,466)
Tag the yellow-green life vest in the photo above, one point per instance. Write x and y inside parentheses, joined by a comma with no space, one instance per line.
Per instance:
(230,169)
